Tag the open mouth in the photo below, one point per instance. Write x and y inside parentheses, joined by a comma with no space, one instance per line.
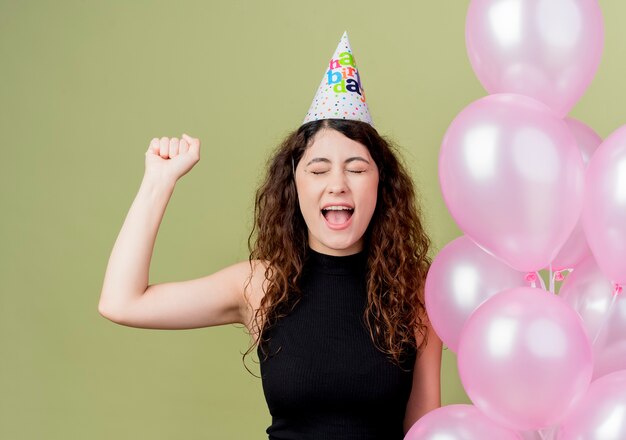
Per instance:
(337,215)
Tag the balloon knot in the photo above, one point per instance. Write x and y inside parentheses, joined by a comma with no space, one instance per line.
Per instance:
(618,289)
(531,276)
(558,275)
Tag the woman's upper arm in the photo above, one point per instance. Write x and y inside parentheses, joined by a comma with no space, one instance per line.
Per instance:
(426,390)
(212,300)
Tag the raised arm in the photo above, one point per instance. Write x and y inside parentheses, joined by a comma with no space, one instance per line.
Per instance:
(126,297)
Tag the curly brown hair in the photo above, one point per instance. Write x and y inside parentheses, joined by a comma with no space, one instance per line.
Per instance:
(395,242)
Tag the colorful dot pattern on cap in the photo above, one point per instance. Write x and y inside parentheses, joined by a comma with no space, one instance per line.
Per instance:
(340,95)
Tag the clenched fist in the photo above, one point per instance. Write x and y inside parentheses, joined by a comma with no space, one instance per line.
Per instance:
(171,158)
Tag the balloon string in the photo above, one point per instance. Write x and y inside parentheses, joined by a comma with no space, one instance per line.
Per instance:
(548,433)
(616,292)
(558,276)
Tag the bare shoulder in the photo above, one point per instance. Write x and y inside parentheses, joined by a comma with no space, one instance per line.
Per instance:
(246,283)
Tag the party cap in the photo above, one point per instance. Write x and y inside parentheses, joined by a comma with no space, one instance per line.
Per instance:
(340,94)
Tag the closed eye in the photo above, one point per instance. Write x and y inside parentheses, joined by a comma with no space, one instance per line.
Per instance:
(317,173)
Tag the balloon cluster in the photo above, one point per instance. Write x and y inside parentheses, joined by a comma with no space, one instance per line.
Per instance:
(532,189)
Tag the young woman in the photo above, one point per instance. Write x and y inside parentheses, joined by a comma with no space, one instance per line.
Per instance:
(332,293)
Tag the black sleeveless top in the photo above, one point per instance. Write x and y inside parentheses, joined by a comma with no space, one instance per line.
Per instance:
(324,379)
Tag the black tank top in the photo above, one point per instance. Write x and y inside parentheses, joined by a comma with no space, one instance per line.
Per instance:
(324,379)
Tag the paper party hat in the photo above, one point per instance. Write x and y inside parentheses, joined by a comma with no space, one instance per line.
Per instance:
(340,94)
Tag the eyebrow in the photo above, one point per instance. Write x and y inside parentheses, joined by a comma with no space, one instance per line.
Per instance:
(348,160)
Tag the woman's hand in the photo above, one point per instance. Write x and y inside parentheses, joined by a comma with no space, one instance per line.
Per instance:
(171,158)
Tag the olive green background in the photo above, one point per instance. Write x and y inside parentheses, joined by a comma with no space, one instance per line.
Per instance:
(85,85)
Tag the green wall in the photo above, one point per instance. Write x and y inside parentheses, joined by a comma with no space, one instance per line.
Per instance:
(85,85)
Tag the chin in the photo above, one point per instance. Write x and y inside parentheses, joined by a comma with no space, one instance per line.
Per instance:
(340,247)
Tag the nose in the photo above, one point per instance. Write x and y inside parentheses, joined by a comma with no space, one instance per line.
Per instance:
(337,183)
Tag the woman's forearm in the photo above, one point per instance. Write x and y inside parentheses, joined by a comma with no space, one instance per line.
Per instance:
(127,273)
